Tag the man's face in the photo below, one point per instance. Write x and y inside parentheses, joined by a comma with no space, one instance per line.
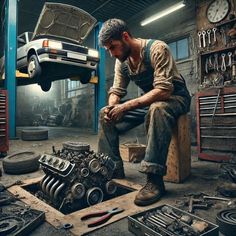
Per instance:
(118,49)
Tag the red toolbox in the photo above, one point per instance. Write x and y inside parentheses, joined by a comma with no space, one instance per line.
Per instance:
(4,140)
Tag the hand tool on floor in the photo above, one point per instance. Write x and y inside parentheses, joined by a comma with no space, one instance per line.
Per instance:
(196,204)
(105,216)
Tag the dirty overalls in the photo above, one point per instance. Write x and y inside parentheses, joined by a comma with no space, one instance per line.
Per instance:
(160,118)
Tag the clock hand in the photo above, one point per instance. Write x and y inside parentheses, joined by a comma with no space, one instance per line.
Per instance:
(217,10)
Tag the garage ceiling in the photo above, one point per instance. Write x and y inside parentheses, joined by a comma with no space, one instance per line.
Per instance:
(28,10)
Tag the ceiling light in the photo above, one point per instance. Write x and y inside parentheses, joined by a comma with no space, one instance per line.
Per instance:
(165,12)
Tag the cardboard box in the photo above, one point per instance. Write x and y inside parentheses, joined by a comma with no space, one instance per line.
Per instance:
(132,152)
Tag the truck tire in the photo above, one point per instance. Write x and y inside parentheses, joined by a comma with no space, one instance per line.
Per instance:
(34,134)
(21,162)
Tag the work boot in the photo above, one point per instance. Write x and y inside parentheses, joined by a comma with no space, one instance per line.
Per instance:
(151,192)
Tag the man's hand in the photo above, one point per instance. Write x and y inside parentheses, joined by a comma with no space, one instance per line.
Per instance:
(116,112)
(106,111)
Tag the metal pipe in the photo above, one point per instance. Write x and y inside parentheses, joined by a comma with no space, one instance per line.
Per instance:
(42,180)
(53,188)
(49,184)
(58,190)
(44,183)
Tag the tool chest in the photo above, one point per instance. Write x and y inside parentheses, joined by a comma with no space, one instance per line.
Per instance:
(216,123)
(166,220)
(4,140)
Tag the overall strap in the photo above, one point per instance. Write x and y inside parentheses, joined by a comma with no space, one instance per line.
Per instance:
(147,59)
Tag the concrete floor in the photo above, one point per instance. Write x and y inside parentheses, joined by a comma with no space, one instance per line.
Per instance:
(204,177)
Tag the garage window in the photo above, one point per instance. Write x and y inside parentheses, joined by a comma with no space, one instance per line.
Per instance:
(180,49)
(74,88)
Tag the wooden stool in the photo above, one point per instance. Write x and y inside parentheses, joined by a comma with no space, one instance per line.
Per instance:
(179,154)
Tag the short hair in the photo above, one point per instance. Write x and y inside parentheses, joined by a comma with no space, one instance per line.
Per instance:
(112,29)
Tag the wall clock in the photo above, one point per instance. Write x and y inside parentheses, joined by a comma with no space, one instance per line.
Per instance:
(217,10)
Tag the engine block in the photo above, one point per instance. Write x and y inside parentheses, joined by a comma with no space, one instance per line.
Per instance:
(75,177)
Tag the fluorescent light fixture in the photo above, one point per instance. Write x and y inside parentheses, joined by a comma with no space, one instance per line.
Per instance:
(165,12)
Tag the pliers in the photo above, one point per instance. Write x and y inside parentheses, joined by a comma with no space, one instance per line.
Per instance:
(105,216)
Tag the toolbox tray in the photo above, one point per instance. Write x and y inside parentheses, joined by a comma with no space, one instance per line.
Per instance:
(22,219)
(140,229)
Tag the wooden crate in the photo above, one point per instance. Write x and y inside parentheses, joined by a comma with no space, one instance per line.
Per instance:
(179,154)
(132,152)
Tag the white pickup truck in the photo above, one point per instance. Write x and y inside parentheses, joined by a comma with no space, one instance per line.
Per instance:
(54,50)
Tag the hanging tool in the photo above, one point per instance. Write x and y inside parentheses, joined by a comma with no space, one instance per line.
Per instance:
(204,38)
(214,111)
(209,36)
(199,39)
(230,58)
(214,34)
(223,64)
(105,216)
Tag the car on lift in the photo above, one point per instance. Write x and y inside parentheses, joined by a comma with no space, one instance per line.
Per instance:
(54,51)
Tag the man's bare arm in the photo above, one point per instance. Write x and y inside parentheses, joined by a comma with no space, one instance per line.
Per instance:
(113,99)
(145,100)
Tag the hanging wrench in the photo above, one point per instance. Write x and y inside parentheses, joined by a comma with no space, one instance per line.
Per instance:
(209,36)
(223,65)
(199,39)
(214,34)
(216,64)
(206,65)
(204,38)
(224,39)
(230,59)
(210,61)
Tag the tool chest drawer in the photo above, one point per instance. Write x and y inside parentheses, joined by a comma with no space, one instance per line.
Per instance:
(216,123)
(166,220)
(4,141)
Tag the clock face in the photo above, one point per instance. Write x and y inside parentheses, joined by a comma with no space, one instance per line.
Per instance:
(217,10)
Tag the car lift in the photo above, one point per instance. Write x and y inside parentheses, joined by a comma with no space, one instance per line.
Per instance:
(10,68)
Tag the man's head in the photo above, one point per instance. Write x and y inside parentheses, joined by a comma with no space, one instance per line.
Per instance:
(114,36)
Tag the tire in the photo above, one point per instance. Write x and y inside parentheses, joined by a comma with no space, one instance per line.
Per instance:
(34,134)
(45,84)
(21,162)
(34,69)
(76,146)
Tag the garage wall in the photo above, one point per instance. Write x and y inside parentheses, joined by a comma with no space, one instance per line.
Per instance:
(169,28)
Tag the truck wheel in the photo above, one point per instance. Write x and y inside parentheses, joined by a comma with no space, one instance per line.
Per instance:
(34,68)
(21,162)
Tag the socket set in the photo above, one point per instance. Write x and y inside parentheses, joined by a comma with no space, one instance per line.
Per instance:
(166,220)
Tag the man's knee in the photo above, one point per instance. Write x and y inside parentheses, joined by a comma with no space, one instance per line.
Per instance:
(102,114)
(159,108)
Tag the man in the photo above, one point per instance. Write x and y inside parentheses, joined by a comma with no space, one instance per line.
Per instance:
(151,66)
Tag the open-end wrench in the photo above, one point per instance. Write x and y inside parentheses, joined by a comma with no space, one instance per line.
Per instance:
(209,36)
(199,39)
(230,59)
(214,34)
(216,64)
(224,39)
(204,38)
(223,65)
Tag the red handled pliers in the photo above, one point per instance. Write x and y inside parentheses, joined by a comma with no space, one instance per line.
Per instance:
(105,216)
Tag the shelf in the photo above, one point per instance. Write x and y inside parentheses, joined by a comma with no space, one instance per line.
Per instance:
(226,22)
(217,50)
